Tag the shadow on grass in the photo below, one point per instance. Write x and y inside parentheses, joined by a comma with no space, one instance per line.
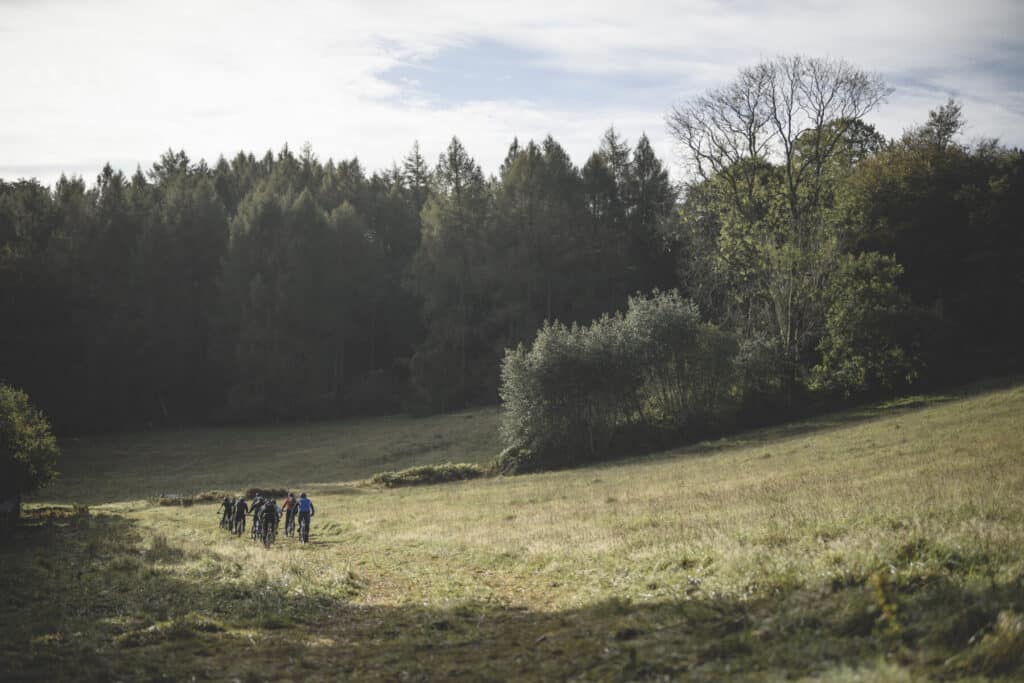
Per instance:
(85,598)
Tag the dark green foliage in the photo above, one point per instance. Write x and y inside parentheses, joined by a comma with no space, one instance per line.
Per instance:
(278,287)
(285,287)
(447,275)
(873,334)
(28,450)
(564,396)
(428,474)
(686,365)
(652,376)
(795,198)
(951,216)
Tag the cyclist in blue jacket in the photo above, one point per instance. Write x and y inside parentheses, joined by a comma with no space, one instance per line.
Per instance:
(306,511)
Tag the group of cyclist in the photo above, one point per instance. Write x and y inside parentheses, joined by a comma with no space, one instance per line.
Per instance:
(266,515)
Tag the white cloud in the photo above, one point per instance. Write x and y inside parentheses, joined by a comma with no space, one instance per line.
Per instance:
(121,80)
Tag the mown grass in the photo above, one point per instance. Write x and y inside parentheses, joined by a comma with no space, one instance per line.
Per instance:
(883,544)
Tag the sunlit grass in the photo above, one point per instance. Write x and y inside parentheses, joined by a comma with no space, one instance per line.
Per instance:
(877,545)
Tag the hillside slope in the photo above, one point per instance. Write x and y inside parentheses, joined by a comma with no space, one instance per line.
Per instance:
(881,544)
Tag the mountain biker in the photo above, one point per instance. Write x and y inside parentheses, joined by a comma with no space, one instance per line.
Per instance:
(241,509)
(290,507)
(228,512)
(269,516)
(306,512)
(257,506)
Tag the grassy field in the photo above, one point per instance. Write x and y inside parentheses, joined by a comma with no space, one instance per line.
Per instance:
(883,544)
(315,456)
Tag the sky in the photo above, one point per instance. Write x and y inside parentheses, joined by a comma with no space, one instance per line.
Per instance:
(86,82)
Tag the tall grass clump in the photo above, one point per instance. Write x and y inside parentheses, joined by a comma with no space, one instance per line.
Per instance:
(429,474)
(651,375)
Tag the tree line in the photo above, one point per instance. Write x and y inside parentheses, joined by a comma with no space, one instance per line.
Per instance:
(820,263)
(286,287)
(820,259)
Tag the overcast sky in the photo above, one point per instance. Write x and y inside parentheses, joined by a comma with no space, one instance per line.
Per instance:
(90,81)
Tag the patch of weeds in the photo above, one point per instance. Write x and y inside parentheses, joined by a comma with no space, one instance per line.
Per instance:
(202,624)
(775,540)
(53,512)
(428,474)
(169,499)
(160,550)
(827,534)
(964,626)
(884,592)
(144,636)
(213,496)
(274,623)
(104,546)
(628,633)
(124,563)
(998,652)
(175,629)
(915,550)
(727,648)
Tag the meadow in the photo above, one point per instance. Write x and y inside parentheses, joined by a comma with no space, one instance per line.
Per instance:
(878,544)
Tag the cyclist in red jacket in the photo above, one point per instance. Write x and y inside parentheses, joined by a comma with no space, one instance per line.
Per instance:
(290,508)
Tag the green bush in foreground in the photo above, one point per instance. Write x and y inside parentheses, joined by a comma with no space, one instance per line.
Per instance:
(28,449)
(429,474)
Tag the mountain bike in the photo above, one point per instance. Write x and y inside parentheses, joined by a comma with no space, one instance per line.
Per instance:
(303,528)
(269,534)
(289,525)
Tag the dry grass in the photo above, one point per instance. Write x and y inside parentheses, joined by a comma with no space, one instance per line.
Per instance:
(879,545)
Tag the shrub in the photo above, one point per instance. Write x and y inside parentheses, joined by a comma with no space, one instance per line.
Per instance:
(564,396)
(576,393)
(515,460)
(169,499)
(266,492)
(214,496)
(428,474)
(28,449)
(872,336)
(760,371)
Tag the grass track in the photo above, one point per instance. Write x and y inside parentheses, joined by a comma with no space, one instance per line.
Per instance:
(874,545)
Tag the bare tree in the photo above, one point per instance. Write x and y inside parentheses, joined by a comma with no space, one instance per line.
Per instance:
(789,111)
(775,129)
